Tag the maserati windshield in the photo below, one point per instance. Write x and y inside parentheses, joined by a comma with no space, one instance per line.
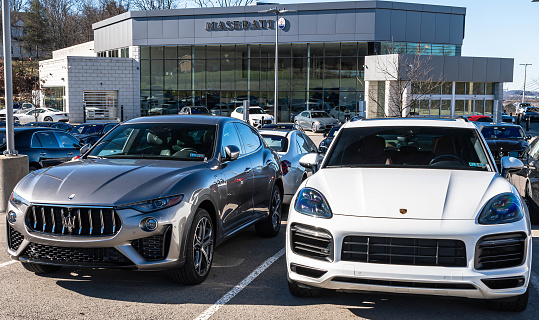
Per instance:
(173,141)
(420,147)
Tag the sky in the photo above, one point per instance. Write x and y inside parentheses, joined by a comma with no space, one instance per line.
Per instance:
(495,28)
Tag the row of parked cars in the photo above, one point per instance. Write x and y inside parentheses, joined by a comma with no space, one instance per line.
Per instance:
(395,205)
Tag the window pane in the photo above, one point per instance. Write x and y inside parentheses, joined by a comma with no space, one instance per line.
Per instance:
(349,74)
(299,50)
(349,49)
(184,74)
(242,51)
(184,52)
(145,75)
(199,74)
(478,88)
(228,52)
(490,88)
(47,139)
(317,49)
(241,74)
(446,108)
(267,50)
(66,140)
(284,74)
(213,74)
(333,49)
(145,52)
(171,74)
(213,52)
(250,138)
(489,107)
(479,107)
(285,50)
(435,108)
(331,73)
(460,88)
(468,107)
(157,74)
(171,52)
(447,88)
(255,75)
(157,52)
(459,107)
(200,52)
(299,74)
(316,74)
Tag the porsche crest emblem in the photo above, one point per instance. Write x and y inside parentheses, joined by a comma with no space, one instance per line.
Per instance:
(403,211)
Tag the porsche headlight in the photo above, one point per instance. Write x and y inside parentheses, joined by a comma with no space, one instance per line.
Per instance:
(17,201)
(503,208)
(311,202)
(153,205)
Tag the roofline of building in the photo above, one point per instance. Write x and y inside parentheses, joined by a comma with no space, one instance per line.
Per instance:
(343,5)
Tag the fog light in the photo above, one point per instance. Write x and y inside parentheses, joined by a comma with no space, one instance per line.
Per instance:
(148,224)
(11,217)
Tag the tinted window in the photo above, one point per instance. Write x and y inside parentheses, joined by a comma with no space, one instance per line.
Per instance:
(502,132)
(35,142)
(47,139)
(319,114)
(66,140)
(250,138)
(87,129)
(108,127)
(277,143)
(230,137)
(425,147)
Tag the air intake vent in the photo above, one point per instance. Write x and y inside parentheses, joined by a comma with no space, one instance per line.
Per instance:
(500,251)
(79,221)
(14,238)
(404,251)
(154,248)
(75,256)
(312,242)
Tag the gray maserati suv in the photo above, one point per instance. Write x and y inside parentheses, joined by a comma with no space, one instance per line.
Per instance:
(155,193)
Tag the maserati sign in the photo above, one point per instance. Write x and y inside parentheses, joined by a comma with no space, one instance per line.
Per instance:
(240,25)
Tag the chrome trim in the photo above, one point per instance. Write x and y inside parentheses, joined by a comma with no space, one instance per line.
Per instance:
(35,219)
(90,219)
(44,220)
(80,221)
(102,222)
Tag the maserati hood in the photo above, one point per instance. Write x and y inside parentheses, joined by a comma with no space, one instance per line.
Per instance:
(432,194)
(104,182)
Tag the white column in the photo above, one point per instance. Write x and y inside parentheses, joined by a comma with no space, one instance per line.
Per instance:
(453,89)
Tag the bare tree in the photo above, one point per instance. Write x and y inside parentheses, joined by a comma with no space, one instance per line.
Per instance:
(155,4)
(411,79)
(222,3)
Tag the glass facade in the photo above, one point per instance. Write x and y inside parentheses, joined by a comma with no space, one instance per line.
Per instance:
(54,97)
(420,48)
(220,77)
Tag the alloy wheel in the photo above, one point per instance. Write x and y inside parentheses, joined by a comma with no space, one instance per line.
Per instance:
(276,206)
(203,246)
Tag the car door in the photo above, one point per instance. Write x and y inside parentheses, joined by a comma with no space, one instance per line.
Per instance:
(70,144)
(234,183)
(263,174)
(46,145)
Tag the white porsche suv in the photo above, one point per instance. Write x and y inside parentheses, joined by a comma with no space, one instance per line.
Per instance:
(414,206)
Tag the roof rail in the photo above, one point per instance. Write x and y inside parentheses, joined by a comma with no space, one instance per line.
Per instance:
(463,118)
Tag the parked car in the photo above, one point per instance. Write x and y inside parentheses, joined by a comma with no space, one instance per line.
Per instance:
(257,116)
(40,115)
(342,113)
(224,109)
(521,107)
(198,110)
(480,118)
(315,120)
(23,108)
(527,180)
(89,133)
(410,205)
(44,146)
(55,125)
(290,145)
(3,124)
(328,137)
(531,113)
(507,118)
(157,193)
(505,140)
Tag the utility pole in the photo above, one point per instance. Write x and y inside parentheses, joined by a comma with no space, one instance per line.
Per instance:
(524,91)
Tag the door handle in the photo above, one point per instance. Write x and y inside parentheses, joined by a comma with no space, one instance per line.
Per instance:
(247,170)
(43,154)
(70,153)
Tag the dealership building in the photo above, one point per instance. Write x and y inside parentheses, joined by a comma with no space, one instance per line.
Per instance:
(334,56)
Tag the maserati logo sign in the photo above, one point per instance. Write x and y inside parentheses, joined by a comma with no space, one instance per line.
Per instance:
(68,222)
(281,23)
(403,211)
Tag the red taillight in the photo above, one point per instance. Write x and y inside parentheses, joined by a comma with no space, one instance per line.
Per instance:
(59,114)
(285,164)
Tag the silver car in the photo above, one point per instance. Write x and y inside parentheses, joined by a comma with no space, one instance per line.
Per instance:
(155,193)
(291,145)
(315,120)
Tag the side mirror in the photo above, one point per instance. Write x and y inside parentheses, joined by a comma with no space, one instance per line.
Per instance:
(309,161)
(511,164)
(85,148)
(232,153)
(326,134)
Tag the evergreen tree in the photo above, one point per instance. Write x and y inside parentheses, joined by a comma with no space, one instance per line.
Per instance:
(36,36)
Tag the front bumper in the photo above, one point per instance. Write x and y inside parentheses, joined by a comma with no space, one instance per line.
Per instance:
(129,247)
(394,278)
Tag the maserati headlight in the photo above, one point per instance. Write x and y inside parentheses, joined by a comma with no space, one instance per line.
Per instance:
(503,208)
(17,200)
(311,202)
(153,205)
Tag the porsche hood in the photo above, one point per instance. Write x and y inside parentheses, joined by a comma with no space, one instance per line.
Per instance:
(104,182)
(431,194)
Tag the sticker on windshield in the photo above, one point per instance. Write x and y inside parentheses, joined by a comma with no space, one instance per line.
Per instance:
(477,165)
(196,155)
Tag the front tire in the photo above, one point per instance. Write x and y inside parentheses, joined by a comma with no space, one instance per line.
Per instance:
(271,225)
(48,119)
(513,304)
(40,268)
(313,128)
(199,251)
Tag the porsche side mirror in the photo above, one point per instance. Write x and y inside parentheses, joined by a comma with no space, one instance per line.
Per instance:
(310,161)
(231,153)
(510,164)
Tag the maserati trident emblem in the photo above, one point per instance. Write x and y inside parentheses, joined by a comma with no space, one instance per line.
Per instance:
(403,211)
(71,196)
(68,222)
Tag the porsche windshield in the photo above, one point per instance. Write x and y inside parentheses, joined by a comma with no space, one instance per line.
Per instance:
(419,147)
(172,141)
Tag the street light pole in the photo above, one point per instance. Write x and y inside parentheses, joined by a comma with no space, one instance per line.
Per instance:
(277,12)
(8,83)
(524,91)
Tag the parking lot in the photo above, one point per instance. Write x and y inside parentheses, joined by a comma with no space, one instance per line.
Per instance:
(248,281)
